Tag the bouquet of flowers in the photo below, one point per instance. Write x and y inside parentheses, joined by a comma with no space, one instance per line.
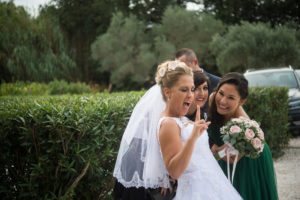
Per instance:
(244,135)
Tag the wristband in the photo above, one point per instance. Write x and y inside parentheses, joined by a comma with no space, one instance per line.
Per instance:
(221,153)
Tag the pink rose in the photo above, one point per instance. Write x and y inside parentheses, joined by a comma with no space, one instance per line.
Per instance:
(255,124)
(261,134)
(249,134)
(235,129)
(256,143)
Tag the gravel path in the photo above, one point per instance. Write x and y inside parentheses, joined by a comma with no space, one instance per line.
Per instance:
(288,171)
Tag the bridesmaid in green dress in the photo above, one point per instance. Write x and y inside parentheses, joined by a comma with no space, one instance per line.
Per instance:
(254,179)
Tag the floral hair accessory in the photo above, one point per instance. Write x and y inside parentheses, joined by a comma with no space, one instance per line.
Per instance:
(170,66)
(162,72)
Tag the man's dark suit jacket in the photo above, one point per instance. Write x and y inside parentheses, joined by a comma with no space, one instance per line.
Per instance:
(214,80)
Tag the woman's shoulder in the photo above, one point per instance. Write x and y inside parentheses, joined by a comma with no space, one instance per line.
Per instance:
(167,127)
(171,124)
(169,121)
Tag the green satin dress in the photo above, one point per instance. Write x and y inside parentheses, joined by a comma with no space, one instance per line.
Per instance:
(254,179)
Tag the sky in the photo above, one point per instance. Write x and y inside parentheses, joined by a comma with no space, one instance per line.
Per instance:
(32,6)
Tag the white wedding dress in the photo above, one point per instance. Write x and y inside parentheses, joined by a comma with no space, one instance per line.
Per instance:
(203,179)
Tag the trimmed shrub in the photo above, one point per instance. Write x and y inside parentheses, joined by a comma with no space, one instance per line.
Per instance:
(23,88)
(52,88)
(61,147)
(64,147)
(63,87)
(269,106)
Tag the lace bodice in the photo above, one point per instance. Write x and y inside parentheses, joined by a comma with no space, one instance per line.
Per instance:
(201,151)
(203,178)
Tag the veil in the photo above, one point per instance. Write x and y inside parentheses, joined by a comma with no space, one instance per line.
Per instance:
(139,162)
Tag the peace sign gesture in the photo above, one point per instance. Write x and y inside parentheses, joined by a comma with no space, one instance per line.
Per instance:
(199,125)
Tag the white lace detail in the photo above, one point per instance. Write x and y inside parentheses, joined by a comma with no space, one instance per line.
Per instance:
(139,162)
(203,178)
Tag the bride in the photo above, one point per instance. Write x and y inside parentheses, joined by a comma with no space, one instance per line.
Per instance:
(159,141)
(183,143)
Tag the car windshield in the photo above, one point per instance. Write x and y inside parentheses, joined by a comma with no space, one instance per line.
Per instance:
(278,78)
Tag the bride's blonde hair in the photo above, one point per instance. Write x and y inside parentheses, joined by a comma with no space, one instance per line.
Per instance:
(168,73)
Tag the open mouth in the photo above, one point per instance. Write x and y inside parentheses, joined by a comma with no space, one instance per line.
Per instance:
(186,104)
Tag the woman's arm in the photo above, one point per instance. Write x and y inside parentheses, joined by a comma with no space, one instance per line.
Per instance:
(176,157)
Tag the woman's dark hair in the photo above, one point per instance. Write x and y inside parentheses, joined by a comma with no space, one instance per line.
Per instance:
(199,78)
(241,84)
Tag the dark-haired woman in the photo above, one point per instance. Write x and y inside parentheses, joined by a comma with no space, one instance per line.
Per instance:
(254,178)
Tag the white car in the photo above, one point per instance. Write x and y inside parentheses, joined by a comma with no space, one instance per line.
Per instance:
(280,77)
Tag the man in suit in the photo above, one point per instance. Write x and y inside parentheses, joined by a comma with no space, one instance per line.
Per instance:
(189,57)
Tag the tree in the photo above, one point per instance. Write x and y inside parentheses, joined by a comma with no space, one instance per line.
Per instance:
(276,12)
(182,28)
(152,11)
(81,21)
(255,46)
(13,21)
(32,49)
(125,52)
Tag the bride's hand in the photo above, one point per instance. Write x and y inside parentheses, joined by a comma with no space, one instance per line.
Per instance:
(163,191)
(200,125)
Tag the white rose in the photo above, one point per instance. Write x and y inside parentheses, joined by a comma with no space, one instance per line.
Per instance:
(162,71)
(261,134)
(255,124)
(238,120)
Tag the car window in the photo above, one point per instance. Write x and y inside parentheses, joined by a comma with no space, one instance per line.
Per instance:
(279,78)
(298,73)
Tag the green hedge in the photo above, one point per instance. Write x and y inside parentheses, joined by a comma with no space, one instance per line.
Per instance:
(63,147)
(269,106)
(52,88)
(47,142)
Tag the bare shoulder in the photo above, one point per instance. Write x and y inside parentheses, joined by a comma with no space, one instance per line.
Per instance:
(169,127)
(242,113)
(169,138)
(169,123)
